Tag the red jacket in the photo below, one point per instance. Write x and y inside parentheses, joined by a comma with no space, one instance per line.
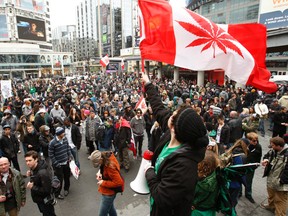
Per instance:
(111,177)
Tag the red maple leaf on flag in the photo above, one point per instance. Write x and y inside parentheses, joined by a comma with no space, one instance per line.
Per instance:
(210,35)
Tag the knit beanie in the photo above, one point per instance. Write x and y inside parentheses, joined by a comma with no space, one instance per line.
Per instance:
(59,131)
(189,128)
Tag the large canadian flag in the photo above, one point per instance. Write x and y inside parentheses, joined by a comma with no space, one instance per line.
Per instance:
(178,36)
(104,61)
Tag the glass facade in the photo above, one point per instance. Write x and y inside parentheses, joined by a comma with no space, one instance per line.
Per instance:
(228,11)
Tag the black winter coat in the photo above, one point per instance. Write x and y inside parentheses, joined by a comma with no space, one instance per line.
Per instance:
(172,188)
(9,146)
(76,136)
(236,132)
(32,139)
(44,143)
(41,178)
(123,137)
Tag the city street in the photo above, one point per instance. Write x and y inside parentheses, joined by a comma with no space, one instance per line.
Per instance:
(84,198)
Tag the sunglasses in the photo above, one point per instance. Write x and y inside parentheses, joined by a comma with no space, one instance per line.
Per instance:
(253,140)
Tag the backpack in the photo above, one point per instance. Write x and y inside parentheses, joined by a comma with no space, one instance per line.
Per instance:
(100,132)
(55,184)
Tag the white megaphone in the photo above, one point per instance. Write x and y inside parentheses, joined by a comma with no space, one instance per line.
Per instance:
(139,185)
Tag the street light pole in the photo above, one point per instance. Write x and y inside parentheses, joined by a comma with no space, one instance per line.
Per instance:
(99,31)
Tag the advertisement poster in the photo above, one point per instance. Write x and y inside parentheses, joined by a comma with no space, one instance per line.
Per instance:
(3,27)
(31,29)
(273,13)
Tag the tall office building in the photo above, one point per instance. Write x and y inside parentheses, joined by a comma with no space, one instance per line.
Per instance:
(64,39)
(268,12)
(105,27)
(86,30)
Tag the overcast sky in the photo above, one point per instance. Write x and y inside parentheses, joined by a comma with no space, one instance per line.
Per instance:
(63,11)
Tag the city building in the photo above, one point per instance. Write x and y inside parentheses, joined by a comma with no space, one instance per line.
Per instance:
(26,40)
(269,13)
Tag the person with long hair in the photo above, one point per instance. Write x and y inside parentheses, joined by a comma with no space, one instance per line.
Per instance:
(74,117)
(207,186)
(172,177)
(239,153)
(108,178)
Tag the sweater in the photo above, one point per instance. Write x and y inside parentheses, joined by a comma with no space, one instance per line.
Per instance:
(59,151)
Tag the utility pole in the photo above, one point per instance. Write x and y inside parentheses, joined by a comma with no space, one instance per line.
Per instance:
(99,31)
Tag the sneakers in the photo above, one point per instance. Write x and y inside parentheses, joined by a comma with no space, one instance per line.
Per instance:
(66,192)
(266,207)
(60,197)
(250,199)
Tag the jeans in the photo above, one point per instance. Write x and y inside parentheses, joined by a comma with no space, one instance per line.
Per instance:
(107,206)
(261,127)
(74,152)
(271,123)
(46,210)
(234,193)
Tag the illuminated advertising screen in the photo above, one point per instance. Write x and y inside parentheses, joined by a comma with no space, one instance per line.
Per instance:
(37,6)
(3,27)
(273,14)
(31,29)
(112,67)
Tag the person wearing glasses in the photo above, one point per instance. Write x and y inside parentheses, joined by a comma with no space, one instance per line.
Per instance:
(138,127)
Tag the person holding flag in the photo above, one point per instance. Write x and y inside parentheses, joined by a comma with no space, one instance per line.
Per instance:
(172,177)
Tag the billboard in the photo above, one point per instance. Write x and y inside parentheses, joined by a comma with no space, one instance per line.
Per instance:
(30,29)
(37,6)
(273,13)
(3,27)
(112,67)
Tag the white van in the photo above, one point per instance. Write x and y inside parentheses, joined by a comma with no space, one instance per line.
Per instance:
(279,77)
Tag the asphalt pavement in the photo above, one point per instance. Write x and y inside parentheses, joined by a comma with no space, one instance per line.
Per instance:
(84,198)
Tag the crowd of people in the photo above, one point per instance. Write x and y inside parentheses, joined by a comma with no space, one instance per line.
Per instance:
(188,127)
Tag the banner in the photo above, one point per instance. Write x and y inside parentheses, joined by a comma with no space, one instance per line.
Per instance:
(6,88)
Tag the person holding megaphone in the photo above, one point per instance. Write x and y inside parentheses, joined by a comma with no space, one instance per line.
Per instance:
(172,176)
